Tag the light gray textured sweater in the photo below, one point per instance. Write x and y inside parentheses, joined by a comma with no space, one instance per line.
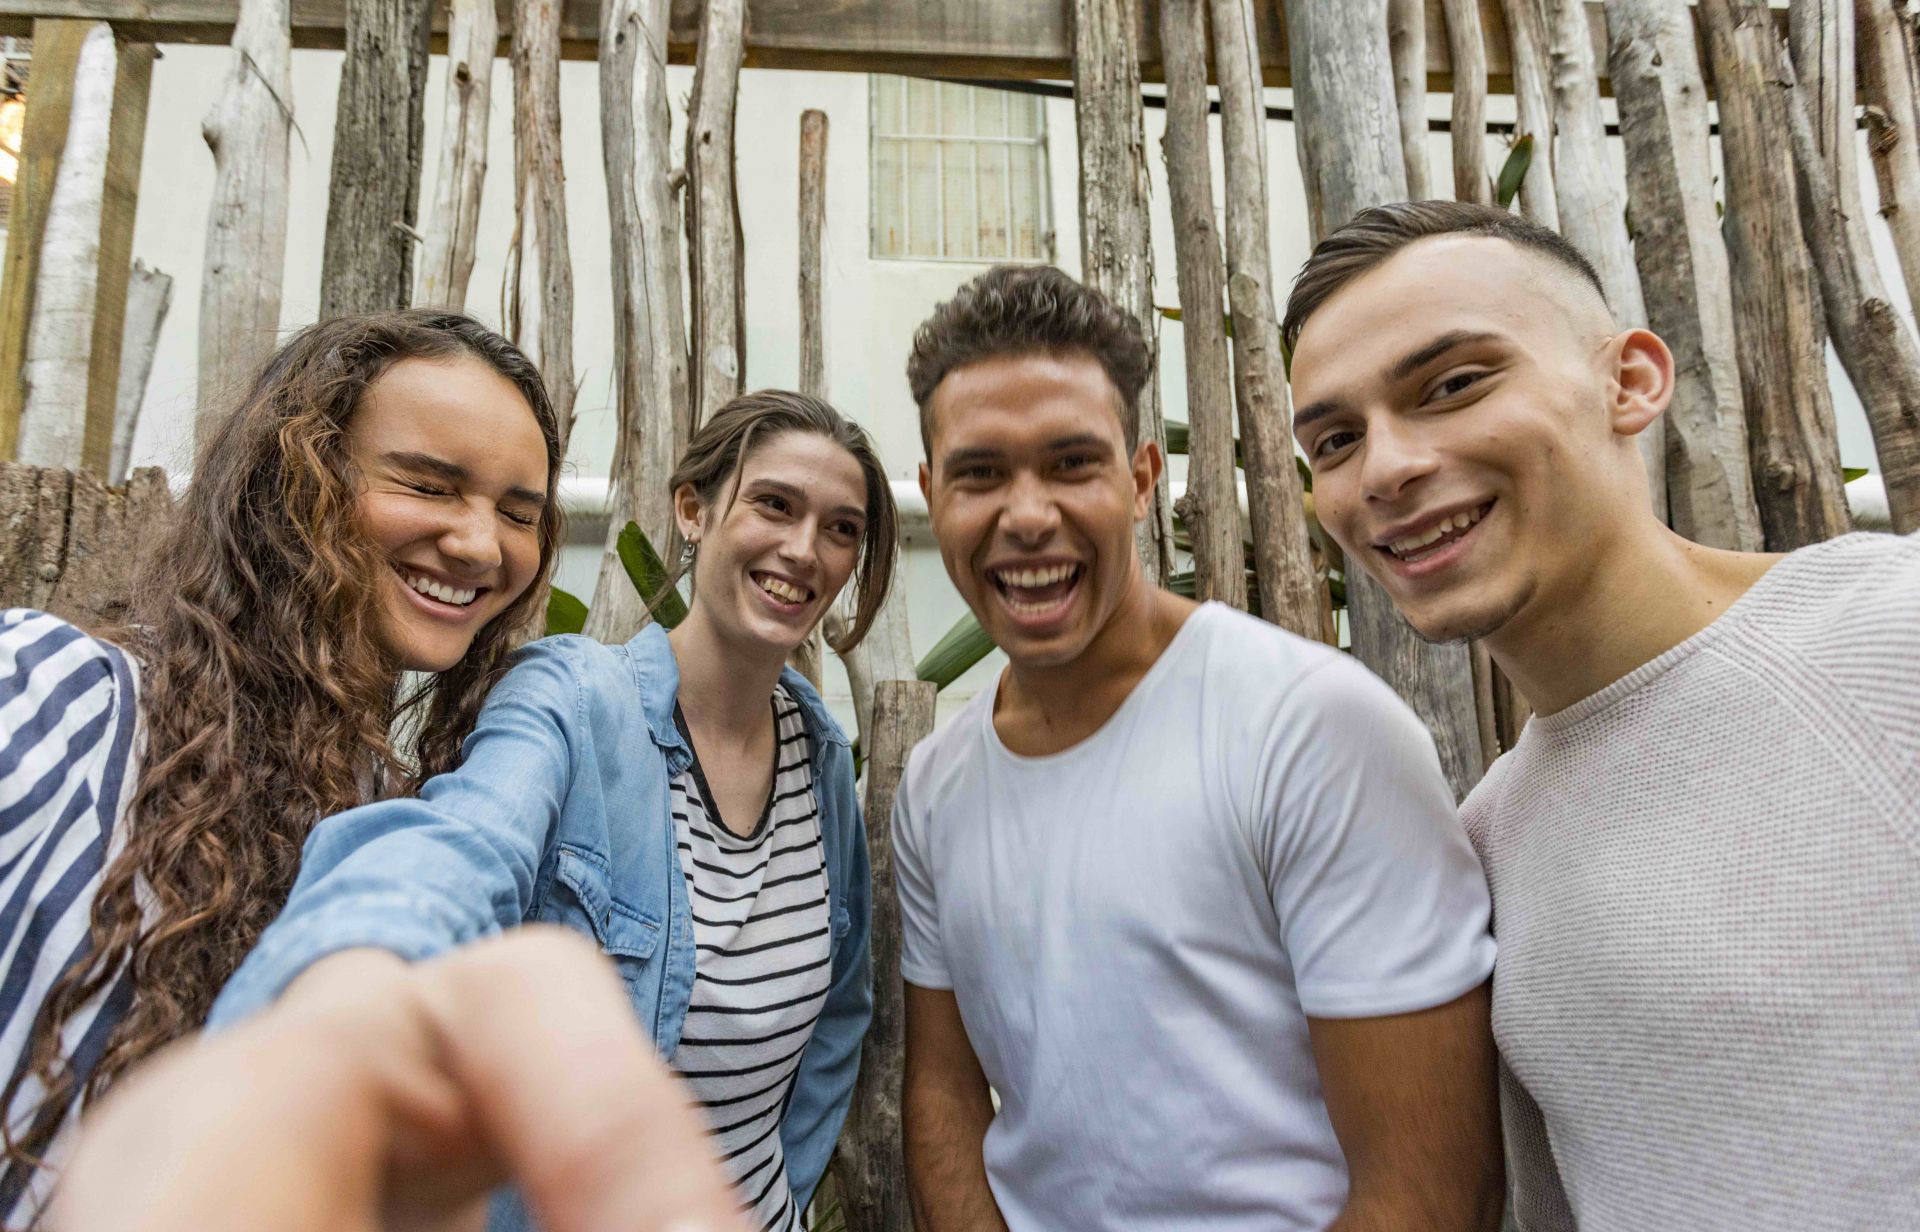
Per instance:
(1706,891)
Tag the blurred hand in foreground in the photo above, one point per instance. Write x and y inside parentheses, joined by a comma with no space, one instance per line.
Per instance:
(395,1100)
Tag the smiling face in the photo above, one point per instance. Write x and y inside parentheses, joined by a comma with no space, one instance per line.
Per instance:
(778,542)
(453,478)
(1469,410)
(1033,497)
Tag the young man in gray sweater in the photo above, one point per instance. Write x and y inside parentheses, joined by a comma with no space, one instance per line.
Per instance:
(1704,850)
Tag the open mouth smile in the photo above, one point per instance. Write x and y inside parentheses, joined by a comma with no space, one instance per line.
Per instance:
(1036,590)
(786,595)
(436,592)
(1433,540)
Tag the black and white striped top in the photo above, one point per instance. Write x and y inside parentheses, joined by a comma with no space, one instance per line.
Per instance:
(69,752)
(761,966)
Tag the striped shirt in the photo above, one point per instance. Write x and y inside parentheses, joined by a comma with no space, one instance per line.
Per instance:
(761,963)
(69,753)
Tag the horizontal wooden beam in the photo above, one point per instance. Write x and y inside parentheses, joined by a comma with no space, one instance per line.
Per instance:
(984,39)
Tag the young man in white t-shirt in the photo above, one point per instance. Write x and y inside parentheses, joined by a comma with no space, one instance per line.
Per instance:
(1186,891)
(1704,850)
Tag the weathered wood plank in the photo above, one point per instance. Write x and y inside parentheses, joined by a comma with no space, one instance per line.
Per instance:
(813,220)
(952,38)
(447,263)
(869,1166)
(540,272)
(71,545)
(126,147)
(378,130)
(149,292)
(1467,48)
(716,242)
(56,48)
(1407,39)
(1116,249)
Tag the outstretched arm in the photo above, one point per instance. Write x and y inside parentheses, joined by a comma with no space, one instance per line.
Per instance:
(401,1103)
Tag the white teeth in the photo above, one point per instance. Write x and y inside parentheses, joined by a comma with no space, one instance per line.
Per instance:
(434,590)
(1028,579)
(1433,534)
(783,591)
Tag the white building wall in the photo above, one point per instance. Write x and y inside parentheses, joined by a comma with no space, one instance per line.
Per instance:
(872,306)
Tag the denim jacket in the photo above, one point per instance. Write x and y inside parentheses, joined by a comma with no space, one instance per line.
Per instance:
(559,812)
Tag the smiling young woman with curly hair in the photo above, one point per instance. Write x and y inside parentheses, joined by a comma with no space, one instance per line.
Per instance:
(379,504)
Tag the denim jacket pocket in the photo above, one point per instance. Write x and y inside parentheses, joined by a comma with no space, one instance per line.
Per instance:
(582,899)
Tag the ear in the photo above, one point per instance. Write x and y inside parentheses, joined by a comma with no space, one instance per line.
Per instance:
(926,484)
(1147,465)
(1642,381)
(687,512)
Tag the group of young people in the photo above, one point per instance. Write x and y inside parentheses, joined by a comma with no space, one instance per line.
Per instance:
(1194,935)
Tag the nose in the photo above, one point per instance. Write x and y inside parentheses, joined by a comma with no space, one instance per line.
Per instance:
(800,545)
(472,539)
(1030,516)
(1394,458)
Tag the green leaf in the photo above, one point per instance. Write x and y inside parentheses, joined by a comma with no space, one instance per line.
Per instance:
(1507,187)
(964,645)
(565,612)
(1306,473)
(1172,314)
(649,576)
(1850,473)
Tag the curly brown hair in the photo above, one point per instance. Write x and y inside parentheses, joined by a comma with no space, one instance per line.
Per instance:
(1029,310)
(266,697)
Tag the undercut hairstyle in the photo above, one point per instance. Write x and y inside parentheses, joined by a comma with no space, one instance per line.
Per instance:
(1016,310)
(712,464)
(1377,234)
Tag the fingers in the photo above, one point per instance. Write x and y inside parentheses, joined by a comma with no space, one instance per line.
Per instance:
(537,1031)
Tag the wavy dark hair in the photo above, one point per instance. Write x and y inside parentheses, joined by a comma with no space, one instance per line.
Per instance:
(266,697)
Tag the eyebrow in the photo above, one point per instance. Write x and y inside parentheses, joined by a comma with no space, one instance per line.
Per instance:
(453,472)
(1402,368)
(794,492)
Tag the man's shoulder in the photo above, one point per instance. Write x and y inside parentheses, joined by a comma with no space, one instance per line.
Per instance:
(948,751)
(1251,666)
(1850,605)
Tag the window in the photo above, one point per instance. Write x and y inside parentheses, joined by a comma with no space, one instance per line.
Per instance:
(959,173)
(15,57)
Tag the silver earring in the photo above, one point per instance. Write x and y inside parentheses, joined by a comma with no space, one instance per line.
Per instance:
(686,553)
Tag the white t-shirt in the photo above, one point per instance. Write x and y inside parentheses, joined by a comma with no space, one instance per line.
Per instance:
(1137,928)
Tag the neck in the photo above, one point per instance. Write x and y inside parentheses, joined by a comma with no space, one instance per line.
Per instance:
(723,685)
(1084,692)
(1643,593)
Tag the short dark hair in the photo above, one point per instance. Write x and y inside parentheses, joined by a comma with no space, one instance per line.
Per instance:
(1028,310)
(1378,233)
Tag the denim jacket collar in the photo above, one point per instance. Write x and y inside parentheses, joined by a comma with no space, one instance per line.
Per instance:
(657,675)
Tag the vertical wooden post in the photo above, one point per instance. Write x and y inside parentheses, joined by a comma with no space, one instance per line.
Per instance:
(1888,84)
(248,131)
(540,277)
(126,151)
(714,239)
(149,292)
(74,544)
(473,38)
(56,49)
(813,217)
(1343,90)
(1407,42)
(1116,237)
(870,1166)
(53,413)
(1781,336)
(1592,205)
(1677,246)
(378,130)
(1874,342)
(1290,591)
(1467,52)
(1528,44)
(1211,506)
(649,340)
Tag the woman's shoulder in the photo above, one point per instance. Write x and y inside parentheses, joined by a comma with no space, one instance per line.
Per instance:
(45,659)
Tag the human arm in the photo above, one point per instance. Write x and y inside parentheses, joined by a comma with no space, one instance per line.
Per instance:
(401,1103)
(1411,1097)
(945,1108)
(418,876)
(823,1087)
